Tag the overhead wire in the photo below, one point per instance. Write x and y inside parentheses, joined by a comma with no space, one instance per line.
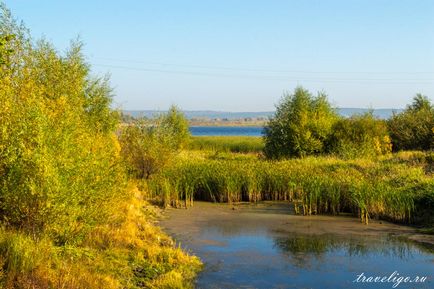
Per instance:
(272,77)
(258,69)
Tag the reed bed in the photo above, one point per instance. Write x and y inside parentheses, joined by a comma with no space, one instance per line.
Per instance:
(236,144)
(392,188)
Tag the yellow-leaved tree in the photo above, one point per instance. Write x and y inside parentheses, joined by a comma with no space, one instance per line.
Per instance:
(60,172)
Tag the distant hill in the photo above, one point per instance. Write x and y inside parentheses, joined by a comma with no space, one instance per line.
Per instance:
(382,113)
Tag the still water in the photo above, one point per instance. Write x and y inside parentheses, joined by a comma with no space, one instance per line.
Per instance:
(226,130)
(267,247)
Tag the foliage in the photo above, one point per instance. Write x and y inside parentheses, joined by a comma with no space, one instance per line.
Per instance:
(359,136)
(67,218)
(413,129)
(147,147)
(59,157)
(300,125)
(4,51)
(174,124)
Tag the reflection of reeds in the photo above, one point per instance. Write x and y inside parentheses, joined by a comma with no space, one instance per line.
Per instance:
(383,188)
(304,248)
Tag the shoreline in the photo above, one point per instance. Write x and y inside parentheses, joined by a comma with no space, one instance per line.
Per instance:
(278,217)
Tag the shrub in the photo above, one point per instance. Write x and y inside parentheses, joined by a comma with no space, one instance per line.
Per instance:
(300,125)
(359,136)
(147,147)
(175,125)
(413,129)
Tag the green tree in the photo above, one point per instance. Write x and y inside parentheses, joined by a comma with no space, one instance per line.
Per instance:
(413,129)
(420,102)
(175,124)
(300,126)
(359,136)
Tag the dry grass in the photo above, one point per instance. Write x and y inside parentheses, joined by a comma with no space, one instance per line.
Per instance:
(129,252)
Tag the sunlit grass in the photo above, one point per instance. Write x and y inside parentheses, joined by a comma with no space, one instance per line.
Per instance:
(128,252)
(237,144)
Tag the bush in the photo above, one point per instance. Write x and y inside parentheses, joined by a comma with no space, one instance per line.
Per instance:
(300,125)
(175,125)
(145,149)
(359,136)
(413,129)
(148,147)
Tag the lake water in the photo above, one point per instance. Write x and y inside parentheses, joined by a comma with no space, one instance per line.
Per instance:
(266,247)
(226,131)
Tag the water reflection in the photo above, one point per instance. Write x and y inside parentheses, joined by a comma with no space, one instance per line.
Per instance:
(244,250)
(303,248)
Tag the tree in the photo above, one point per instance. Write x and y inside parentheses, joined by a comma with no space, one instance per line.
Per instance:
(300,125)
(147,147)
(420,102)
(413,129)
(59,155)
(175,124)
(359,136)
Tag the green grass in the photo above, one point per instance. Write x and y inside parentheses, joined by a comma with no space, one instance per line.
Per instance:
(236,144)
(393,188)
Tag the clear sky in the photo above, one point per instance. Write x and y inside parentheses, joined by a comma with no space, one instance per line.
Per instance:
(242,55)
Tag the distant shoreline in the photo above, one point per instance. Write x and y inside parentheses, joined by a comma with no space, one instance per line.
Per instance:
(243,119)
(255,117)
(227,124)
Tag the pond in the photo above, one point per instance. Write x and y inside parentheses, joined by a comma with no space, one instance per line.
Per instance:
(266,246)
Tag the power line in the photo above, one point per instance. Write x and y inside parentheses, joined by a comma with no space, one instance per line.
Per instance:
(259,69)
(269,77)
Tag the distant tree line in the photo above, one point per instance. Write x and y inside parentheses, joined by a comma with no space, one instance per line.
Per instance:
(305,124)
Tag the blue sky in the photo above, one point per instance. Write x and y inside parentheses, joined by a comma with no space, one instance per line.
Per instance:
(242,55)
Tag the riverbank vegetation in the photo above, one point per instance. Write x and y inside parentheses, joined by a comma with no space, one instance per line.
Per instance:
(70,215)
(322,163)
(74,184)
(397,187)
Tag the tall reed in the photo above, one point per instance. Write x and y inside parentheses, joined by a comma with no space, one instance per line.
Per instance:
(382,188)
